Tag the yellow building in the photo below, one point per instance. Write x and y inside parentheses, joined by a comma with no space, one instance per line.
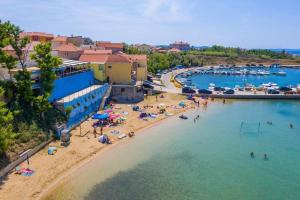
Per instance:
(119,69)
(139,65)
(97,63)
(38,36)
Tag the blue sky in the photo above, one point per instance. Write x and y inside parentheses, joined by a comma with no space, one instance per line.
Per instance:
(243,23)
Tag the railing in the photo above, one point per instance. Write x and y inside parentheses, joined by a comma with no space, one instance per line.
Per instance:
(106,96)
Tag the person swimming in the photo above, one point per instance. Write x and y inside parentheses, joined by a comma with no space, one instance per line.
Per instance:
(252,154)
(291,125)
(269,122)
(266,157)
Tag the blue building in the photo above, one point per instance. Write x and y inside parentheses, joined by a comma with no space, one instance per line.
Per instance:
(75,88)
(83,103)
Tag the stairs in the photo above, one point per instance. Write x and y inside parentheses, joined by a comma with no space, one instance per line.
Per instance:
(106,96)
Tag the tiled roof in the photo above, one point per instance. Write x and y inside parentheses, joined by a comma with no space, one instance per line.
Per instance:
(28,47)
(118,58)
(23,34)
(100,52)
(68,48)
(110,45)
(104,58)
(174,50)
(93,58)
(60,39)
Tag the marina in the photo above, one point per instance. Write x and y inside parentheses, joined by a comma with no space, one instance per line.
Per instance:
(243,82)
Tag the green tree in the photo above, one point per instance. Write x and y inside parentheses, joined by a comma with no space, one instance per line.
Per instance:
(10,35)
(47,64)
(6,118)
(9,62)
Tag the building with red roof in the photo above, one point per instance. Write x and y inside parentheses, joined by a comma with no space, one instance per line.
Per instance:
(68,51)
(115,47)
(97,51)
(59,40)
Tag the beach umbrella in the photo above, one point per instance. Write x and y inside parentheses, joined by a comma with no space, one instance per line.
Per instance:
(100,116)
(114,116)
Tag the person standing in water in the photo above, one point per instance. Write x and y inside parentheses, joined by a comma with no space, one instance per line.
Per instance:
(266,157)
(252,154)
(291,125)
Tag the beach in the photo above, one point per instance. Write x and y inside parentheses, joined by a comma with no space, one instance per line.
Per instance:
(50,169)
(207,159)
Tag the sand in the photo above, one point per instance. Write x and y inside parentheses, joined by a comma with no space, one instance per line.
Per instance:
(49,169)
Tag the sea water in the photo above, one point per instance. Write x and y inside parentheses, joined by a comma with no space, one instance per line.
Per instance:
(206,159)
(292,78)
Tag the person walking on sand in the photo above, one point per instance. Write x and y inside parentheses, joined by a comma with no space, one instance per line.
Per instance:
(101,130)
(156,97)
(95,132)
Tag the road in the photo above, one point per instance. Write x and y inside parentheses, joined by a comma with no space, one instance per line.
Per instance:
(168,85)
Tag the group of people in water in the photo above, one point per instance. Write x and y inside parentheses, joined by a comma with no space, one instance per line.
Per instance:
(265,156)
(271,123)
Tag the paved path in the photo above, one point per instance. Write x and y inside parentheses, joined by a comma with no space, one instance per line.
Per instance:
(169,86)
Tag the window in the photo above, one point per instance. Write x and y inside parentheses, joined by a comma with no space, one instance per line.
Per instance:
(109,67)
(122,89)
(101,67)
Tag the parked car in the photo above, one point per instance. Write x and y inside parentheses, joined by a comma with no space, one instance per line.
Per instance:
(188,90)
(272,91)
(228,91)
(148,86)
(219,89)
(204,91)
(150,78)
(285,89)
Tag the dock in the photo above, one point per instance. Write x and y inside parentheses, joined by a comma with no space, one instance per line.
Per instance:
(253,96)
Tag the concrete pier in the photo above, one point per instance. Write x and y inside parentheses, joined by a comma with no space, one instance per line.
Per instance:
(253,96)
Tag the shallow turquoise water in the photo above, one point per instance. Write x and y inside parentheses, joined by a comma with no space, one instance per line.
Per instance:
(203,80)
(207,160)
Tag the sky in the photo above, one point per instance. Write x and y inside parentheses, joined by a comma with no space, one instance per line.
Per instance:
(235,23)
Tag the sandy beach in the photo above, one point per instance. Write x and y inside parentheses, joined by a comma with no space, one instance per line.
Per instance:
(50,169)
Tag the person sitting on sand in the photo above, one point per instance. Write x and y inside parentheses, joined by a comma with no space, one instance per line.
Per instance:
(252,154)
(131,134)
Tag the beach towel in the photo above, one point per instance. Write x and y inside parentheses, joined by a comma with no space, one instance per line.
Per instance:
(25,172)
(115,132)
